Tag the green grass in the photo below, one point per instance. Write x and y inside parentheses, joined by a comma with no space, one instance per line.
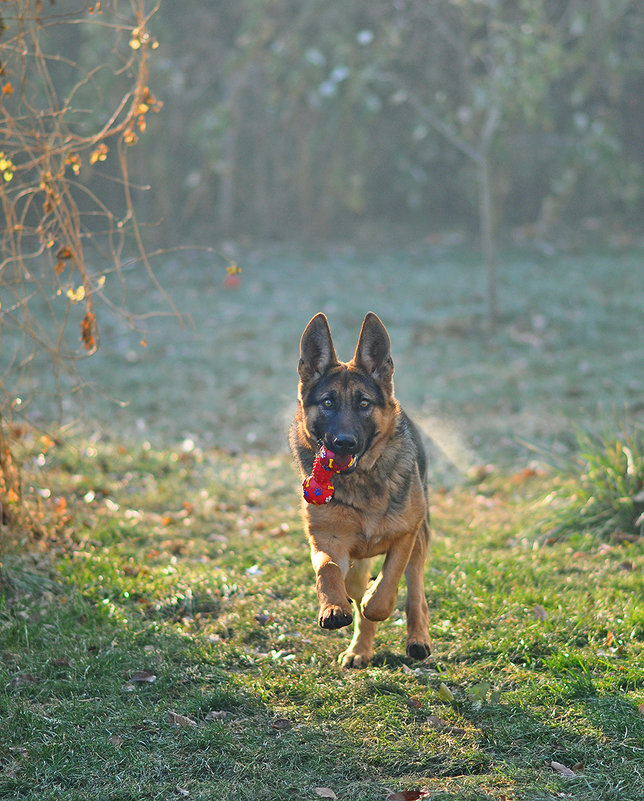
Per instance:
(567,346)
(192,565)
(605,490)
(171,543)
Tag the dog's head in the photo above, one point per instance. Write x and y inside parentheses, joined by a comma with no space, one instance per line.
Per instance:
(346,405)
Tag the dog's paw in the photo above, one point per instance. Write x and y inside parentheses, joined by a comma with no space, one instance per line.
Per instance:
(418,650)
(334,617)
(351,659)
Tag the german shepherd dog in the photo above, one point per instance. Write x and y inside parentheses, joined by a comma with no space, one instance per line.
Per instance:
(380,503)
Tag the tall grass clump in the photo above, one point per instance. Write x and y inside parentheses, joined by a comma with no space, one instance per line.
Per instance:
(602,493)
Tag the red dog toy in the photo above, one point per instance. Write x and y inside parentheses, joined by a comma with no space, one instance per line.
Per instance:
(317,487)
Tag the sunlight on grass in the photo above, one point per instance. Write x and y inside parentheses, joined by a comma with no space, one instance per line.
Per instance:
(165,638)
(604,490)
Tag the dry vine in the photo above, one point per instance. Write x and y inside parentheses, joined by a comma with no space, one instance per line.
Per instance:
(66,126)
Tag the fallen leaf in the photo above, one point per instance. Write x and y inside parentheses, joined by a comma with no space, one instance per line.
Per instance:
(525,475)
(180,720)
(324,792)
(214,715)
(479,691)
(640,709)
(408,795)
(442,725)
(142,677)
(562,770)
(281,723)
(445,694)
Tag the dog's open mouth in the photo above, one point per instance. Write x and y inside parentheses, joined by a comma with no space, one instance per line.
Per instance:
(352,465)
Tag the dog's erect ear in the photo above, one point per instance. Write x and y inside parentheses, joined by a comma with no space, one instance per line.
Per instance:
(373,352)
(317,353)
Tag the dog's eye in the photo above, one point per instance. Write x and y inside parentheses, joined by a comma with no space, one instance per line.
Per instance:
(364,403)
(327,403)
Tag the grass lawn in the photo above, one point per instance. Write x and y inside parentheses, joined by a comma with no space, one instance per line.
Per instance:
(160,641)
(568,348)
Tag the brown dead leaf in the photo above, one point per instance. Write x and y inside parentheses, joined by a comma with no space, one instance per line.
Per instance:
(442,725)
(408,795)
(88,331)
(524,475)
(324,792)
(281,724)
(23,680)
(180,721)
(562,770)
(64,253)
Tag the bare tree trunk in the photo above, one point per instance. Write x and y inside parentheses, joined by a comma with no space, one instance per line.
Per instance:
(487,231)
(227,182)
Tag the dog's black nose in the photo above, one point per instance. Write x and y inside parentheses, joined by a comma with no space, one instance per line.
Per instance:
(344,444)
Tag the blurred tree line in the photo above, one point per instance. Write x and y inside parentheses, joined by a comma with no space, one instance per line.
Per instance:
(306,119)
(309,118)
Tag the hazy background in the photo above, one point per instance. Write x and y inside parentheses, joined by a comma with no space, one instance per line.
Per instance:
(406,157)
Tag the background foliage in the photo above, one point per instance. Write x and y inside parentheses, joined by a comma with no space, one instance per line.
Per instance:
(297,119)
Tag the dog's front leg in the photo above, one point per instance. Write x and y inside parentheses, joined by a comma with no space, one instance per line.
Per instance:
(379,600)
(330,570)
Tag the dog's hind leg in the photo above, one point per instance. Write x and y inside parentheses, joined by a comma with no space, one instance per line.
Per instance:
(418,642)
(379,600)
(360,651)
